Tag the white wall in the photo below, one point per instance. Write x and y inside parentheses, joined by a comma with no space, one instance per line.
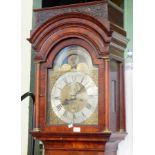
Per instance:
(26,20)
(125,147)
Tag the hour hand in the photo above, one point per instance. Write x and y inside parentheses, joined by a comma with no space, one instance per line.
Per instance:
(68,101)
(65,102)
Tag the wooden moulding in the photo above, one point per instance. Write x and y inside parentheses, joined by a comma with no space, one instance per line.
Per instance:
(75,25)
(73,141)
(91,143)
(78,24)
(101,9)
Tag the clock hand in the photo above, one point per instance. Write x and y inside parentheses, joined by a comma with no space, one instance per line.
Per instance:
(68,101)
(81,88)
(74,97)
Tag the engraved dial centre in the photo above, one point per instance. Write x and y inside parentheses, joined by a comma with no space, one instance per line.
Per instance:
(76,98)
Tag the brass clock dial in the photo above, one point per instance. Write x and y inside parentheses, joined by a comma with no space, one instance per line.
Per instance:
(73,88)
(74,97)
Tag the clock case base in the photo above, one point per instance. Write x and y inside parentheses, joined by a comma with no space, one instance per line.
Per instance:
(80,143)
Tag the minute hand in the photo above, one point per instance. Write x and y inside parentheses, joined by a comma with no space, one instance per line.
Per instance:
(81,88)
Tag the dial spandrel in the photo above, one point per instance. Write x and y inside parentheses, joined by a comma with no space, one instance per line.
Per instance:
(73,89)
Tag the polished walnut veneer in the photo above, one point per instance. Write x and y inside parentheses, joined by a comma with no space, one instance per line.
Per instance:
(97,27)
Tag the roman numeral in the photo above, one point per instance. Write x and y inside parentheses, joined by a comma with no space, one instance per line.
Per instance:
(92,95)
(73,78)
(82,79)
(65,114)
(57,98)
(88,106)
(59,106)
(83,114)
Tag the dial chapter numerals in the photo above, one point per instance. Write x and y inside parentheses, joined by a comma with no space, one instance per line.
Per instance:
(59,107)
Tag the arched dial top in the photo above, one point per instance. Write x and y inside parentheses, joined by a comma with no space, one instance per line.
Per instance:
(73,88)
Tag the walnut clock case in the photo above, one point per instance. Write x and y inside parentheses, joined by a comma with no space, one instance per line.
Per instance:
(79,83)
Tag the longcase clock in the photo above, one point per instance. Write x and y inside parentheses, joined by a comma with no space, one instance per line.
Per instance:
(79,83)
